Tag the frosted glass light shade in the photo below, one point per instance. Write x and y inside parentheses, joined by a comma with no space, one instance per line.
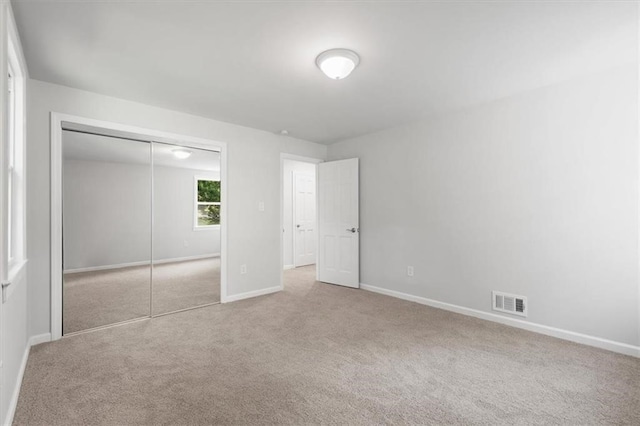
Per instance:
(337,63)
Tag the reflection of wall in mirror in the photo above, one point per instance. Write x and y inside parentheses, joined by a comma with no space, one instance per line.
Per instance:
(107,215)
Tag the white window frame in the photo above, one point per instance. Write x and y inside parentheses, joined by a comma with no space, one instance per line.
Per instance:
(197,203)
(14,169)
(11,163)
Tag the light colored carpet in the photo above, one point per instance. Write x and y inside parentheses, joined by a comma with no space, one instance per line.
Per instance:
(322,354)
(182,285)
(93,299)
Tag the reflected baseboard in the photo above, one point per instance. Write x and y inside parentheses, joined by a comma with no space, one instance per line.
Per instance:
(142,263)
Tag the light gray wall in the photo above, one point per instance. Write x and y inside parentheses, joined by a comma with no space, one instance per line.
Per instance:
(535,194)
(289,167)
(253,176)
(107,214)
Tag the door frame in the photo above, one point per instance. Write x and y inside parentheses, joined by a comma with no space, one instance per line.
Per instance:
(56,198)
(285,156)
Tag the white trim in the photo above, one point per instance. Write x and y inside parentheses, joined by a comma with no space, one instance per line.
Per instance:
(286,156)
(17,65)
(142,263)
(152,200)
(224,208)
(255,293)
(56,226)
(56,198)
(13,404)
(14,37)
(13,202)
(638,169)
(584,339)
(287,267)
(39,338)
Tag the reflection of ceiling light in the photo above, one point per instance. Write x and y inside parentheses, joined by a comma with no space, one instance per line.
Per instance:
(181,153)
(337,63)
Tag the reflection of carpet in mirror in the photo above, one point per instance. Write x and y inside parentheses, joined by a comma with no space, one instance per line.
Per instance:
(93,299)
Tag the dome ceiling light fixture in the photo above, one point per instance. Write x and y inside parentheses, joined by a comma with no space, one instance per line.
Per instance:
(181,154)
(337,63)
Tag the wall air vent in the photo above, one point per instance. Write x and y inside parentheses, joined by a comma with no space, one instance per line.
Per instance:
(509,303)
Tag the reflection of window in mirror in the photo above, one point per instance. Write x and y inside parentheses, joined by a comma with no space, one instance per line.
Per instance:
(207,203)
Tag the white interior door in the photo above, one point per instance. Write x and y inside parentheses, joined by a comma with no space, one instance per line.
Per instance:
(338,225)
(304,219)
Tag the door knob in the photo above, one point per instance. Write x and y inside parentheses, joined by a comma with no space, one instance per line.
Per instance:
(353,230)
(297,226)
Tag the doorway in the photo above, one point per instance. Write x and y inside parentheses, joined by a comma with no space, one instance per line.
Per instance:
(320,219)
(138,221)
(299,212)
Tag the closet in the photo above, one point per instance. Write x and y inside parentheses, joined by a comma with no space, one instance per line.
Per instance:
(141,229)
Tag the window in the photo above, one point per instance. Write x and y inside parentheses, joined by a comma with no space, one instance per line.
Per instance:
(14,165)
(207,203)
(11,165)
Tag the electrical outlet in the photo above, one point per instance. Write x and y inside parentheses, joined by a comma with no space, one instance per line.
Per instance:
(186,243)
(261,206)
(243,269)
(410,271)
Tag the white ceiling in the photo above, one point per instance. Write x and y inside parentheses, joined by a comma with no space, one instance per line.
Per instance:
(252,63)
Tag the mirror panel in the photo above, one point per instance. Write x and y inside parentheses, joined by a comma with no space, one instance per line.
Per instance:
(106,230)
(186,239)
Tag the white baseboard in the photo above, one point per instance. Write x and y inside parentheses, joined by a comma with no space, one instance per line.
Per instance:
(287,267)
(142,263)
(40,338)
(13,404)
(250,294)
(622,348)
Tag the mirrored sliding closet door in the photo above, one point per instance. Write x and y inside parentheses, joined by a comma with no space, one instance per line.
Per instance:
(186,236)
(141,229)
(106,230)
